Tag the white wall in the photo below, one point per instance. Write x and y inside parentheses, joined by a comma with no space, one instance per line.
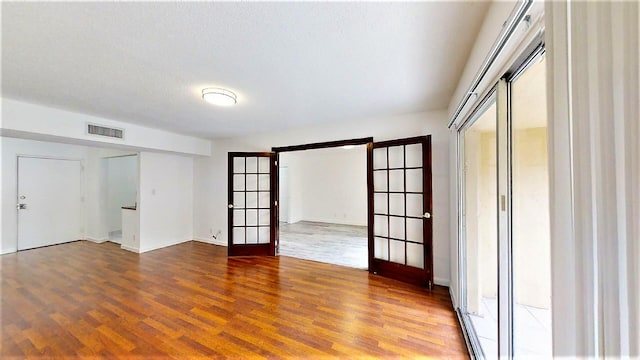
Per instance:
(165,200)
(22,119)
(328,185)
(210,174)
(122,187)
(95,226)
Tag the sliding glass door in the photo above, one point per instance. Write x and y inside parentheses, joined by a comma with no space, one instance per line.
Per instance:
(480,226)
(504,227)
(530,237)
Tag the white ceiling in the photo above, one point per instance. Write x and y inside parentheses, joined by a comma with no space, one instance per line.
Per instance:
(291,64)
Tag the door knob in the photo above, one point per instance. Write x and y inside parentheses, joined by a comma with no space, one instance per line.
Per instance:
(427,215)
(230,206)
(22,206)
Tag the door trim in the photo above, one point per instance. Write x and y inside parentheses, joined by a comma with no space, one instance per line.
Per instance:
(323,145)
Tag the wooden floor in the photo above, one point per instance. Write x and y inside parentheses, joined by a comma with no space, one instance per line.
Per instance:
(189,301)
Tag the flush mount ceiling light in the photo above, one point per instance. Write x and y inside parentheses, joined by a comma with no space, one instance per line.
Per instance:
(219,97)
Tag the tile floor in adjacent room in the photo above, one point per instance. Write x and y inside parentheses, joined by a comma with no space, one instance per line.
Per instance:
(329,243)
(532,330)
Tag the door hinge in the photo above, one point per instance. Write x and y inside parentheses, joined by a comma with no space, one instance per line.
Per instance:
(276,163)
(276,203)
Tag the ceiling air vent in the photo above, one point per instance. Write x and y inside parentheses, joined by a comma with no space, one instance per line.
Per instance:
(105,131)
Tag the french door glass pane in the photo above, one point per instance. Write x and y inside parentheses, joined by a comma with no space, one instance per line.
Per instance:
(252,199)
(398,224)
(396,157)
(530,209)
(413,155)
(480,229)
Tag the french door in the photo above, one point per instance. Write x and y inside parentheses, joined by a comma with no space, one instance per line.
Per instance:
(400,210)
(252,202)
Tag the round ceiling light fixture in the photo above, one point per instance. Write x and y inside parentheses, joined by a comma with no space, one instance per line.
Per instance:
(219,97)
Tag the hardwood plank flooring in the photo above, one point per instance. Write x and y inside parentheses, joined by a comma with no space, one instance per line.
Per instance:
(87,300)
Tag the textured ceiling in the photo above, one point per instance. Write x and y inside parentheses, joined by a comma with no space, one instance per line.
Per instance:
(291,64)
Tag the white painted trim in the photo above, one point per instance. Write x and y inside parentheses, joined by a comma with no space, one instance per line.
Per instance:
(210,240)
(128,248)
(454,299)
(441,281)
(147,249)
(97,240)
(9,251)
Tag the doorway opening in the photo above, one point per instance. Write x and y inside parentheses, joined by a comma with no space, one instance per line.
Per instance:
(323,205)
(121,191)
(399,205)
(323,202)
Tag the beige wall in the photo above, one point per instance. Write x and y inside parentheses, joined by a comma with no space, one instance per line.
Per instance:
(532,268)
(481,217)
(530,226)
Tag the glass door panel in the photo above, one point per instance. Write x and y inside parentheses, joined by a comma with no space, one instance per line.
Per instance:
(530,214)
(400,207)
(480,226)
(251,204)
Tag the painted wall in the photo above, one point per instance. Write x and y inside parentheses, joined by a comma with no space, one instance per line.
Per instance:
(22,119)
(93,189)
(328,185)
(210,174)
(122,187)
(530,227)
(165,200)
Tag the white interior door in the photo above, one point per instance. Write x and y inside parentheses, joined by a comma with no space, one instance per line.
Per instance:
(50,198)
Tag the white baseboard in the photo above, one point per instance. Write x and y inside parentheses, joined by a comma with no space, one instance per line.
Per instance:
(144,250)
(441,281)
(454,300)
(135,250)
(97,241)
(210,240)
(8,251)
